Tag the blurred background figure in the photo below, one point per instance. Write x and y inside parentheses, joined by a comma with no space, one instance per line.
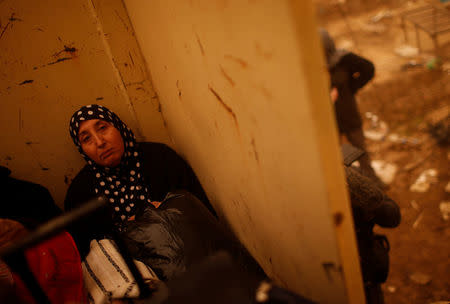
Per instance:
(349,73)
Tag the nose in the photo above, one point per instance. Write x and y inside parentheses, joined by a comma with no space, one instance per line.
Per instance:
(99,140)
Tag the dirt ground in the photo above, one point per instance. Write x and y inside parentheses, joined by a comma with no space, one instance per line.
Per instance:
(406,95)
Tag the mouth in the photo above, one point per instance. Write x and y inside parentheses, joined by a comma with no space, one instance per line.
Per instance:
(107,153)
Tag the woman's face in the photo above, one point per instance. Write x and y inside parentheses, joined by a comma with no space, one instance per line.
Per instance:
(101,142)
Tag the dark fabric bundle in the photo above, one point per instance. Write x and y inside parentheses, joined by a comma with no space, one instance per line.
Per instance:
(181,232)
(370,206)
(369,203)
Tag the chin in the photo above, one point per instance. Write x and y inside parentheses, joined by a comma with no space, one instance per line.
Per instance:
(113,162)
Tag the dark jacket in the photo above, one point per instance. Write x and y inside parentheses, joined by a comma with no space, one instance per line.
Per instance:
(164,171)
(349,75)
(28,203)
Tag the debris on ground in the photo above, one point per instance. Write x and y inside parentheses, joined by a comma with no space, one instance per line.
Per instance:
(378,128)
(445,210)
(420,278)
(446,67)
(415,164)
(391,289)
(395,138)
(346,44)
(384,170)
(422,183)
(414,205)
(410,64)
(417,221)
(383,14)
(373,28)
(406,51)
(438,122)
(447,188)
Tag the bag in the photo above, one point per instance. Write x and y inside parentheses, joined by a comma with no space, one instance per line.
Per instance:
(106,275)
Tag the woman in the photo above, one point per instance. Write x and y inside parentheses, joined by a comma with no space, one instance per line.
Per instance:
(135,178)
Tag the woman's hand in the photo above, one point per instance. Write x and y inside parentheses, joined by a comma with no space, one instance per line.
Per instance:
(334,94)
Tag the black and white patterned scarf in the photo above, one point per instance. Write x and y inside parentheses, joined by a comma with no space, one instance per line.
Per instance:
(123,186)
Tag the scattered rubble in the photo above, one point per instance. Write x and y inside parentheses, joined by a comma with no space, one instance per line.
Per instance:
(445,210)
(438,122)
(420,278)
(417,221)
(346,44)
(378,129)
(422,183)
(383,14)
(414,205)
(384,170)
(391,289)
(395,138)
(411,64)
(407,51)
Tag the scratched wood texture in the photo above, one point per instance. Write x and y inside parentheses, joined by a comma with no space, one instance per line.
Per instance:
(244,96)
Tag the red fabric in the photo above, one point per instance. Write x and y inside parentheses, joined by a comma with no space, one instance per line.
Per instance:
(56,264)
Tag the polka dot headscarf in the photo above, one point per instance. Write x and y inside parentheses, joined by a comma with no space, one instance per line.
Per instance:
(123,186)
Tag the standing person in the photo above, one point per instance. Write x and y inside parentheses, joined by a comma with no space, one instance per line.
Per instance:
(349,73)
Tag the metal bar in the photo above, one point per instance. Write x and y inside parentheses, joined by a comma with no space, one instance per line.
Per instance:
(443,31)
(429,18)
(439,30)
(417,38)
(419,9)
(439,12)
(144,289)
(436,45)
(404,29)
(426,30)
(19,265)
(416,24)
(53,227)
(439,22)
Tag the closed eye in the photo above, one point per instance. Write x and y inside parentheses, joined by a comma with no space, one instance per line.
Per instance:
(102,127)
(85,139)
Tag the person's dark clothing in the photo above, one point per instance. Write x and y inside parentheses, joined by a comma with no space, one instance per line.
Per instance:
(180,233)
(370,207)
(28,203)
(218,279)
(349,75)
(356,138)
(164,171)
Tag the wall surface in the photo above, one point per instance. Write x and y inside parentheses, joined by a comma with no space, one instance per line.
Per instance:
(56,56)
(245,100)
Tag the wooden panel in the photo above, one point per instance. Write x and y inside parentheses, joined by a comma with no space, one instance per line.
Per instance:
(245,100)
